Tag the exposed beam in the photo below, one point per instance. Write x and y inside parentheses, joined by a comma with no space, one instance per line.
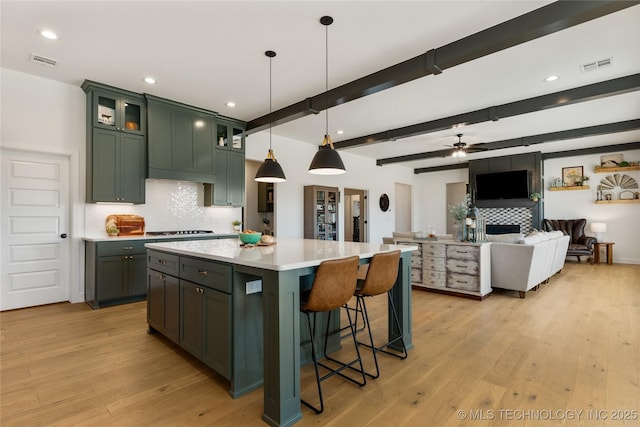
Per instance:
(545,156)
(592,150)
(546,20)
(545,137)
(562,98)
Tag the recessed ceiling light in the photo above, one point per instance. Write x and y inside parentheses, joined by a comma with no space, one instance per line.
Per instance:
(149,80)
(551,78)
(48,34)
(231,104)
(340,132)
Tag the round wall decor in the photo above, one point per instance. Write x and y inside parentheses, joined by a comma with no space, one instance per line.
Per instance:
(384,202)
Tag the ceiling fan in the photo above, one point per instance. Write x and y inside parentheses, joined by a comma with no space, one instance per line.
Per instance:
(460,149)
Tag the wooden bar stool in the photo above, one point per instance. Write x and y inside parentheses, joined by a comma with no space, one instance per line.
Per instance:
(380,278)
(333,286)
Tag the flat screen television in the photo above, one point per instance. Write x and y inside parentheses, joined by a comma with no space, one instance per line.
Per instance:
(503,185)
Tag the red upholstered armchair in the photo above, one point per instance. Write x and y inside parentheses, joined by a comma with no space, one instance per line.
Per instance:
(579,243)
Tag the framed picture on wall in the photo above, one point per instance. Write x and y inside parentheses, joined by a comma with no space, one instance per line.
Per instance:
(571,175)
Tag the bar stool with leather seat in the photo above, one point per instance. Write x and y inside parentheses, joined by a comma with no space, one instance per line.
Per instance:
(333,286)
(380,277)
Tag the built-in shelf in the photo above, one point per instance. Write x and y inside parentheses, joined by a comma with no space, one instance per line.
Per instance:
(573,187)
(599,169)
(618,201)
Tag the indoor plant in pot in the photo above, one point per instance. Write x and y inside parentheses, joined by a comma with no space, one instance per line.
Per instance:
(535,196)
(236,224)
(459,213)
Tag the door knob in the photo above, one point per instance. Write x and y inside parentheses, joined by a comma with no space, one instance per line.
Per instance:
(63,235)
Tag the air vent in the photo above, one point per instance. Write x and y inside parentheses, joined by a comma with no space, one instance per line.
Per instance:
(596,65)
(38,59)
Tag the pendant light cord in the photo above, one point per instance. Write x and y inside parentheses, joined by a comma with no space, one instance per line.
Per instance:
(270,58)
(326,80)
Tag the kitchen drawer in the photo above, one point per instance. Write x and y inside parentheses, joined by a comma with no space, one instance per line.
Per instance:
(436,264)
(463,282)
(433,250)
(416,262)
(434,278)
(207,273)
(462,266)
(163,262)
(416,275)
(123,247)
(463,251)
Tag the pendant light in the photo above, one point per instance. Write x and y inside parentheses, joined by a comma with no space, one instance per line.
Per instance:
(327,161)
(270,170)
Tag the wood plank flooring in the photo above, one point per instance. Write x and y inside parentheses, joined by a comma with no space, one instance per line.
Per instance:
(567,354)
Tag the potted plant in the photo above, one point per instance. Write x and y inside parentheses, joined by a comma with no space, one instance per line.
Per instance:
(236,224)
(112,230)
(459,213)
(535,196)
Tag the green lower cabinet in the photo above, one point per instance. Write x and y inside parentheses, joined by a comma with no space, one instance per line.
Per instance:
(163,304)
(115,272)
(205,326)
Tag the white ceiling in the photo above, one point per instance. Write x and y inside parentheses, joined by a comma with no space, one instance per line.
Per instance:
(205,53)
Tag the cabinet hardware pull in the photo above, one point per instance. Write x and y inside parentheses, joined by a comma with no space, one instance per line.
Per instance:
(461,266)
(127,248)
(202,272)
(162,262)
(461,252)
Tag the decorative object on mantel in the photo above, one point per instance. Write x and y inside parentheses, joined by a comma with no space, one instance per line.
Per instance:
(611,160)
(571,175)
(459,213)
(534,196)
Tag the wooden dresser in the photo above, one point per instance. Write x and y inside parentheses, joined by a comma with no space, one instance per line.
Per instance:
(459,268)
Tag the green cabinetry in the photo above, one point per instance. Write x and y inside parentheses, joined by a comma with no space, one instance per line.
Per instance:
(116,144)
(115,272)
(181,141)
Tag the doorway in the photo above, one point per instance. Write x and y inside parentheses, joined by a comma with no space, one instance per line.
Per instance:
(355,215)
(34,223)
(402,205)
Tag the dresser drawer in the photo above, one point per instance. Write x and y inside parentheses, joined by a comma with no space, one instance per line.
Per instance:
(207,273)
(462,266)
(416,275)
(436,264)
(434,278)
(462,252)
(163,262)
(463,282)
(431,250)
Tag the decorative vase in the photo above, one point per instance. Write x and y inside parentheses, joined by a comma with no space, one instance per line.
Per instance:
(460,227)
(236,228)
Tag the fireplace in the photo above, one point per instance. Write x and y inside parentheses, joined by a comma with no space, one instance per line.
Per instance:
(503,228)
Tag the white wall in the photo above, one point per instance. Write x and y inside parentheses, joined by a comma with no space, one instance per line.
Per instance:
(621,219)
(430,198)
(362,174)
(41,115)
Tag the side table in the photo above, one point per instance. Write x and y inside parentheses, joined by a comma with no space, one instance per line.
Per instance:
(608,249)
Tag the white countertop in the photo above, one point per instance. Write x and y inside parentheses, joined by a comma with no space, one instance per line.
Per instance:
(105,238)
(286,254)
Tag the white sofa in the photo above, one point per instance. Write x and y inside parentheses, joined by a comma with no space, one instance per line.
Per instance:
(522,262)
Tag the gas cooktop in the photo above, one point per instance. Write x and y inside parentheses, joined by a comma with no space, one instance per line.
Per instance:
(174,232)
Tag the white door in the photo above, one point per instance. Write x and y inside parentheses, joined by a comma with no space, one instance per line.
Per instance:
(35,219)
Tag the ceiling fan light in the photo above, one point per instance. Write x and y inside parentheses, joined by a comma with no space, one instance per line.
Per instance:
(327,161)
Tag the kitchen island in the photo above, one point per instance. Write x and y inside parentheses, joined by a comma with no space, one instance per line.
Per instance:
(275,274)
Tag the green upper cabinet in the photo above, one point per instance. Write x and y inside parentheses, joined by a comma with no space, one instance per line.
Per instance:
(228,189)
(116,144)
(229,136)
(181,142)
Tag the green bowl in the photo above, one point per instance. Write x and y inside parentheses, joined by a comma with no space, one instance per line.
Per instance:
(250,238)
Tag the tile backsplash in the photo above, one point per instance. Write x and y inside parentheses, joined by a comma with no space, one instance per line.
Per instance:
(170,205)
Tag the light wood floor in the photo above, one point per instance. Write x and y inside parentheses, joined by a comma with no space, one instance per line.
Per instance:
(572,346)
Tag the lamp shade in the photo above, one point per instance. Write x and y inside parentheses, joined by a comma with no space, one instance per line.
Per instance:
(270,171)
(327,161)
(598,227)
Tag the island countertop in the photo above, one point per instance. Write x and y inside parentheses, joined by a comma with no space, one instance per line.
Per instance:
(285,254)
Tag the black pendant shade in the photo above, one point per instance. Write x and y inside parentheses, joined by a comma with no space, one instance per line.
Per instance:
(327,161)
(270,170)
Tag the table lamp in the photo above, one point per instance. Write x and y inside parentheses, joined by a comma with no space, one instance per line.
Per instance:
(598,228)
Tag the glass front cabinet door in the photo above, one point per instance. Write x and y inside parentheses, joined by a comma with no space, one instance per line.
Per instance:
(118,112)
(230,137)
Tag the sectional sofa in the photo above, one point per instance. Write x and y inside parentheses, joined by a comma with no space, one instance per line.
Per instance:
(521,263)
